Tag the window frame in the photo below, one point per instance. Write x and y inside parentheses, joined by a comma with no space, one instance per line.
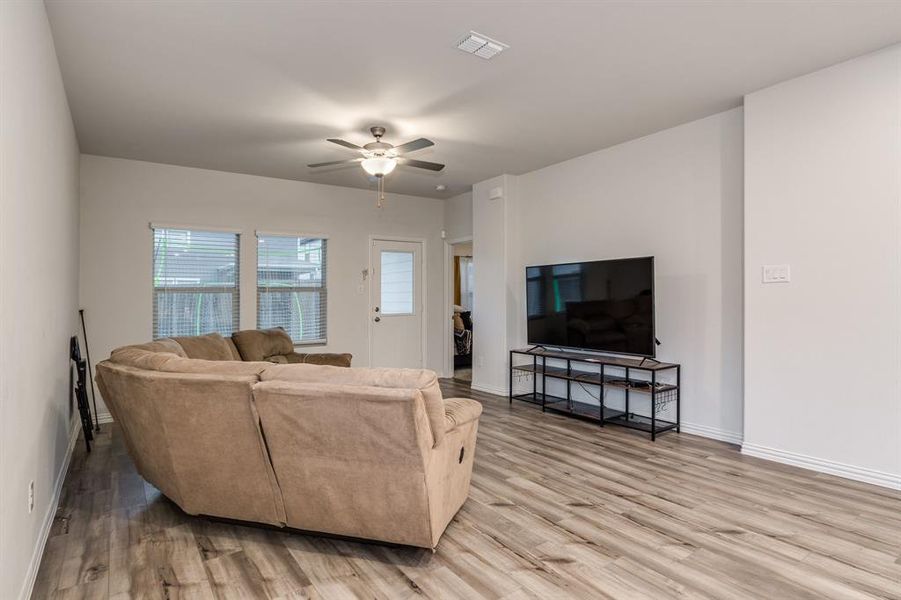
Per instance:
(322,289)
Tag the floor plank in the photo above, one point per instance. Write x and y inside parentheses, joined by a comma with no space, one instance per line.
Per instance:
(559,508)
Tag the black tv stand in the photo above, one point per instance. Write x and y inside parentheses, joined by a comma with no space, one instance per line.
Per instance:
(657,380)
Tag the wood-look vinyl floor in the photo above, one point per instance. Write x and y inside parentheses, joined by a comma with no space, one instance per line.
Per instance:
(559,508)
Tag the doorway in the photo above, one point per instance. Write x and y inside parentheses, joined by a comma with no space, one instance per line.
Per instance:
(460,302)
(396,304)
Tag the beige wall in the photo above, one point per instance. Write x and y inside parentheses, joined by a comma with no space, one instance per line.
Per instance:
(823,194)
(39,289)
(121,197)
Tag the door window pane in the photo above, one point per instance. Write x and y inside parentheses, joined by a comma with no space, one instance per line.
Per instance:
(397,283)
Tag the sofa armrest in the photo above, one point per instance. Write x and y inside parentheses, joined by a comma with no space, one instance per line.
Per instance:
(459,411)
(335,360)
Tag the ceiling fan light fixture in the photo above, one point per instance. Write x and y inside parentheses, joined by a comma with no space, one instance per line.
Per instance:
(379,165)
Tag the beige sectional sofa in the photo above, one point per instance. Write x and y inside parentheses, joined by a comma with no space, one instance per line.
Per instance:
(366,453)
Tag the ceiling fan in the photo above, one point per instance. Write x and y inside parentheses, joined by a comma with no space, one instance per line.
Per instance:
(379,158)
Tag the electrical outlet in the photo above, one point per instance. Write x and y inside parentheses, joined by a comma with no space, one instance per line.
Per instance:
(30,496)
(776,273)
(481,361)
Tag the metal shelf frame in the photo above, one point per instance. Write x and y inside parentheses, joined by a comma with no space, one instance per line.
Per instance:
(647,383)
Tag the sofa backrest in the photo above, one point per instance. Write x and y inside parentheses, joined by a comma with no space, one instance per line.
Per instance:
(210,346)
(196,437)
(359,450)
(263,344)
(159,356)
(418,379)
(161,345)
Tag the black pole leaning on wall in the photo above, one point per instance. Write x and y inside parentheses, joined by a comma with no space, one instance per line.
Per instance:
(87,349)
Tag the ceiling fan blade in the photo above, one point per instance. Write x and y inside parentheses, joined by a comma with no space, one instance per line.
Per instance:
(344,143)
(414,145)
(420,164)
(335,162)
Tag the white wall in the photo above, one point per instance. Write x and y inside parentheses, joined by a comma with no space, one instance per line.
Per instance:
(676,195)
(823,352)
(458,216)
(462,249)
(119,198)
(38,286)
(494,255)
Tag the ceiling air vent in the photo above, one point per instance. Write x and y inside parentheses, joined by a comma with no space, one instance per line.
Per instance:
(481,45)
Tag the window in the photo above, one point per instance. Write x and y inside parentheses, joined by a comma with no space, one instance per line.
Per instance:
(397,283)
(291,286)
(195,282)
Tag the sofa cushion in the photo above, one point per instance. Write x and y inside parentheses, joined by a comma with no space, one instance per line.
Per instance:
(211,346)
(233,349)
(459,411)
(418,379)
(213,367)
(141,358)
(260,344)
(169,362)
(160,345)
(325,358)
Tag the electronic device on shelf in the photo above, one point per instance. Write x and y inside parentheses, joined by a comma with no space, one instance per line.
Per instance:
(601,305)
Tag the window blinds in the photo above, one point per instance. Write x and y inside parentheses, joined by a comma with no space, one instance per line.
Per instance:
(195,282)
(291,286)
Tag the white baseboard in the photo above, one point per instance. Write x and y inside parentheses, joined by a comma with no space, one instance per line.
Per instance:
(35,562)
(489,389)
(714,433)
(820,465)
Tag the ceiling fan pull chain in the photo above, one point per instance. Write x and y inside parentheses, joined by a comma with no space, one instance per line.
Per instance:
(381,190)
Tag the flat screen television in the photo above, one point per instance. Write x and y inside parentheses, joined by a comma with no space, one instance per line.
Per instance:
(602,305)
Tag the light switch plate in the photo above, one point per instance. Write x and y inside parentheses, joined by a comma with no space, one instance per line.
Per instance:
(776,273)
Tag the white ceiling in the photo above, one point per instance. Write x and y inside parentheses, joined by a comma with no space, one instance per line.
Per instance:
(256,87)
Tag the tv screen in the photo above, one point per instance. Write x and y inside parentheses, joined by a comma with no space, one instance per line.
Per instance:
(604,305)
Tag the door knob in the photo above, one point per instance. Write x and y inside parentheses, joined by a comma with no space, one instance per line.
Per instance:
(377,319)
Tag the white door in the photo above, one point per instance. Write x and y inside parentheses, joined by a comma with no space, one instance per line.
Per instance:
(395,306)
